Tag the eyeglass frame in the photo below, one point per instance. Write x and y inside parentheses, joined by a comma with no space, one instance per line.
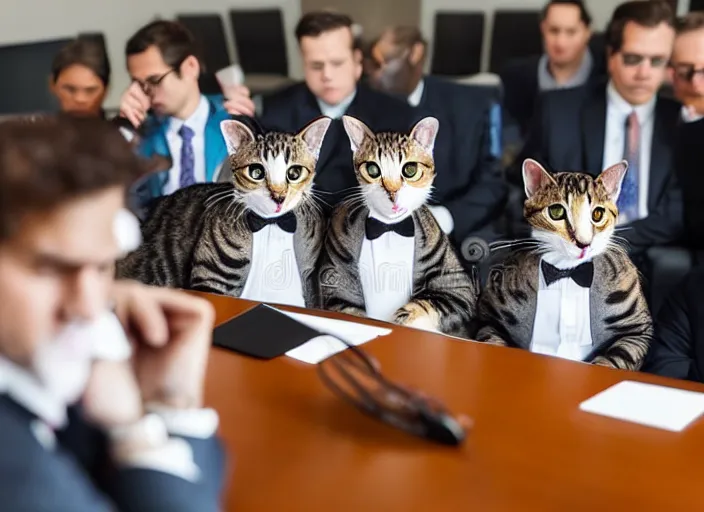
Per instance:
(689,74)
(152,82)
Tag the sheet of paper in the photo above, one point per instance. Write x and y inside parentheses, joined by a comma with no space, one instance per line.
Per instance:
(655,406)
(322,347)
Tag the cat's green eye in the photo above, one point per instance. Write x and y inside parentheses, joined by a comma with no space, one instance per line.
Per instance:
(295,173)
(598,214)
(256,172)
(411,172)
(373,170)
(557,212)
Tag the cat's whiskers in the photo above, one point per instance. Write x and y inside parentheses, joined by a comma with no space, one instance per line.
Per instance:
(223,197)
(219,195)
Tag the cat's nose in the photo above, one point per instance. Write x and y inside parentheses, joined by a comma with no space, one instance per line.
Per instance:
(580,245)
(278,199)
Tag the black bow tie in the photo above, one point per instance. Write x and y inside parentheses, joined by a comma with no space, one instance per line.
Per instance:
(287,222)
(375,228)
(582,274)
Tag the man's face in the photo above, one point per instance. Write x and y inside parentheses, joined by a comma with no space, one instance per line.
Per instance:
(57,270)
(565,35)
(331,66)
(688,68)
(639,68)
(391,69)
(168,89)
(79,91)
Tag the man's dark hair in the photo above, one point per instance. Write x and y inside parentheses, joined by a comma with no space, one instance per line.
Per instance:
(646,13)
(84,52)
(579,4)
(174,41)
(48,161)
(690,22)
(315,23)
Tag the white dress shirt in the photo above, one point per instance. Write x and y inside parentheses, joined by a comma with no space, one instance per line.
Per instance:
(690,116)
(197,123)
(417,94)
(336,111)
(273,274)
(617,111)
(562,325)
(386,272)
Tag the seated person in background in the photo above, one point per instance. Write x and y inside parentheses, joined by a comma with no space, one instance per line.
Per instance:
(469,193)
(139,439)
(595,126)
(332,68)
(677,349)
(567,61)
(80,77)
(174,119)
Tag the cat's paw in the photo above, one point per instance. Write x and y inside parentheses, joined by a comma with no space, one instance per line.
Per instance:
(602,361)
(413,315)
(351,310)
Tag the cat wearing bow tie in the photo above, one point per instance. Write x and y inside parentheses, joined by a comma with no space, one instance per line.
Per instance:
(385,255)
(571,290)
(257,236)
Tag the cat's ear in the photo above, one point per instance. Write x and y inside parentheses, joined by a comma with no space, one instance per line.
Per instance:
(612,178)
(425,131)
(357,131)
(314,133)
(236,134)
(534,176)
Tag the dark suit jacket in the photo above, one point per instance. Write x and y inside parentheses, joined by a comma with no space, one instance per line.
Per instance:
(467,180)
(75,477)
(567,134)
(678,348)
(294,107)
(520,82)
(690,172)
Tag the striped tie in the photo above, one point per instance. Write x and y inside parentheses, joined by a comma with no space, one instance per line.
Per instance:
(628,199)
(188,175)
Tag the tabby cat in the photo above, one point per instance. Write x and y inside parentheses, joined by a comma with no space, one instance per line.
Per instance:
(573,292)
(385,255)
(258,236)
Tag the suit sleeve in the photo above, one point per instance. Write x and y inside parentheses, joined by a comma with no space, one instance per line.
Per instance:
(535,143)
(670,354)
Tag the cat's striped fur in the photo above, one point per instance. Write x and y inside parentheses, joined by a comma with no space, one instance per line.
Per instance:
(197,238)
(443,296)
(620,322)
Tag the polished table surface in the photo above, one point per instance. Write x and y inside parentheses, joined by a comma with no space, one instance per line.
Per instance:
(294,446)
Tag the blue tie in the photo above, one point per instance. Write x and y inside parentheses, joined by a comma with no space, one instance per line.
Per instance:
(628,199)
(188,175)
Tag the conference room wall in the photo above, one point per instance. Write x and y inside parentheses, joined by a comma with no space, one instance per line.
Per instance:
(33,20)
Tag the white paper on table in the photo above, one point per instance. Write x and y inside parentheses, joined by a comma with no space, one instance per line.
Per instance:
(655,406)
(322,347)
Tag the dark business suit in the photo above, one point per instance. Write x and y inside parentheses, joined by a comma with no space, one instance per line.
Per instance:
(294,107)
(467,179)
(690,167)
(75,475)
(567,134)
(678,347)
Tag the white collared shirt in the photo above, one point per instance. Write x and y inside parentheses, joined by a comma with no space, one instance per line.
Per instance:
(386,273)
(417,94)
(617,111)
(197,123)
(273,275)
(689,115)
(336,111)
(562,325)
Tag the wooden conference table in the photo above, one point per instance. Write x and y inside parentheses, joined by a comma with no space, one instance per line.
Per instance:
(294,446)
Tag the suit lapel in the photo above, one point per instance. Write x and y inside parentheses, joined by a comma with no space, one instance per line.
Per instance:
(664,124)
(593,132)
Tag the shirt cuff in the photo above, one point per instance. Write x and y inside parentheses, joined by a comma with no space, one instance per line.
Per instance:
(147,445)
(196,423)
(444,218)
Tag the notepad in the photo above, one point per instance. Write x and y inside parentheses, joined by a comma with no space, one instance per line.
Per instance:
(655,406)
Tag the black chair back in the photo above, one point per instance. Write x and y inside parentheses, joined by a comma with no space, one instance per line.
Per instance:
(515,34)
(209,32)
(260,41)
(457,48)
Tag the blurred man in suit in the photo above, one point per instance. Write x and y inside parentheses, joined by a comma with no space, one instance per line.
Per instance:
(469,193)
(332,66)
(567,62)
(594,126)
(84,428)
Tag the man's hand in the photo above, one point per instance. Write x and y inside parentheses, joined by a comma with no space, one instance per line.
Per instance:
(238,101)
(173,332)
(112,397)
(134,105)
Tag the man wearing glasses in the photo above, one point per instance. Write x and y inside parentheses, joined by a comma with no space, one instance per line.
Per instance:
(592,127)
(172,116)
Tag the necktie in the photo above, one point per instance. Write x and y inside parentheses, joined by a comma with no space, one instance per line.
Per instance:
(188,175)
(583,274)
(375,228)
(287,221)
(628,199)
